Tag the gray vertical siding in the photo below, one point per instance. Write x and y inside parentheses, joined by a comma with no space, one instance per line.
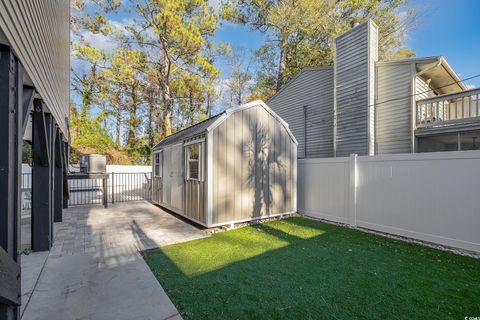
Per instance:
(39,33)
(195,200)
(312,88)
(157,189)
(253,167)
(393,115)
(355,56)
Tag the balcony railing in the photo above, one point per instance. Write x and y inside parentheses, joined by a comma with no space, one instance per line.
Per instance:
(449,109)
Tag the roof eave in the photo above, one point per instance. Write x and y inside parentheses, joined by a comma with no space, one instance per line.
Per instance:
(453,74)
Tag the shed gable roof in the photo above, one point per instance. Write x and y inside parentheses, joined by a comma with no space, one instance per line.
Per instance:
(191,131)
(213,122)
(256,103)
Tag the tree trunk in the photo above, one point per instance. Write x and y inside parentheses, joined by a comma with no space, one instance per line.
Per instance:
(239,95)
(117,127)
(208,109)
(87,96)
(131,126)
(151,110)
(132,121)
(282,65)
(191,113)
(167,113)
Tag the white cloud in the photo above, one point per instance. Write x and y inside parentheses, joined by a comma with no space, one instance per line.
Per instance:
(105,42)
(470,86)
(100,41)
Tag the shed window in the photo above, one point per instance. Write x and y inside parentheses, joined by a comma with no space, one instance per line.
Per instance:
(194,160)
(157,164)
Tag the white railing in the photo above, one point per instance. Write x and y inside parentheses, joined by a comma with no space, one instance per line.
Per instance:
(462,107)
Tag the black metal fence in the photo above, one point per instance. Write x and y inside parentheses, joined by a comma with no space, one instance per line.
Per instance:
(121,187)
(130,186)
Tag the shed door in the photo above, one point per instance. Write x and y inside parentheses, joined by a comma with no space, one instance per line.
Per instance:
(173,176)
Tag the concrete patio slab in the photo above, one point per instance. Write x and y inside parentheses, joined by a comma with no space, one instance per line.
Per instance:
(32,266)
(95,270)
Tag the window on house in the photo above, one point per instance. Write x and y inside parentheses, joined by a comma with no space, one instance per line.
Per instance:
(194,157)
(157,164)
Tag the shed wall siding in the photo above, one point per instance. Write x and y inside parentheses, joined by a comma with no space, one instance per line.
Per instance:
(312,88)
(39,33)
(355,56)
(393,117)
(253,167)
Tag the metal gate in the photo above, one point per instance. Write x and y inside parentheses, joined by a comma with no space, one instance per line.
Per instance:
(122,187)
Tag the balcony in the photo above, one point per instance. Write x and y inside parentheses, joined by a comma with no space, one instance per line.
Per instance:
(449,110)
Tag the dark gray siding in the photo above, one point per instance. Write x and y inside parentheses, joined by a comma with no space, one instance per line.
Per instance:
(312,88)
(355,56)
(393,116)
(39,33)
(253,167)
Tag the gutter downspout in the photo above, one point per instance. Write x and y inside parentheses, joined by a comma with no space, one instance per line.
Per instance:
(414,100)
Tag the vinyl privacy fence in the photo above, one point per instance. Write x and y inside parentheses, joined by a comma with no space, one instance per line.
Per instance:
(432,197)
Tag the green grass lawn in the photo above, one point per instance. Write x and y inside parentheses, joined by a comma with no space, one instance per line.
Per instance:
(303,269)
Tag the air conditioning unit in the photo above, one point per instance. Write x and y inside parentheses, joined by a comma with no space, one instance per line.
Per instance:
(93,163)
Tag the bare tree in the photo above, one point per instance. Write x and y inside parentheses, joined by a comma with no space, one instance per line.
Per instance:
(239,63)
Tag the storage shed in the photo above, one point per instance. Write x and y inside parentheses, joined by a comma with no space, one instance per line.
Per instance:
(237,166)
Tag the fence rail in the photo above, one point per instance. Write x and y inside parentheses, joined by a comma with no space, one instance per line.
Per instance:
(121,187)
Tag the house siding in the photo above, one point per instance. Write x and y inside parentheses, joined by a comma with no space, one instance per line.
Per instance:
(39,34)
(253,167)
(422,89)
(355,56)
(312,88)
(393,116)
(373,58)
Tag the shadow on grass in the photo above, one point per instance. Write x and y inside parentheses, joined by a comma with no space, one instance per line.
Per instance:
(306,269)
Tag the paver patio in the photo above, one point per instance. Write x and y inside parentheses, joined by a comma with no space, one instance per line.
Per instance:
(95,270)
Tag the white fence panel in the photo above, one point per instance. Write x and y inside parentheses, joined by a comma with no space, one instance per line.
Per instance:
(323,188)
(432,197)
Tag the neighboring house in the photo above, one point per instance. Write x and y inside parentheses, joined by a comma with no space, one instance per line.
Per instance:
(237,166)
(364,106)
(34,107)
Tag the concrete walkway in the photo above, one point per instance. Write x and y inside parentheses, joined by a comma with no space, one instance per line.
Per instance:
(95,270)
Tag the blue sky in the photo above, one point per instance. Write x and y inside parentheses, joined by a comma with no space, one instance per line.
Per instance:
(450,28)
